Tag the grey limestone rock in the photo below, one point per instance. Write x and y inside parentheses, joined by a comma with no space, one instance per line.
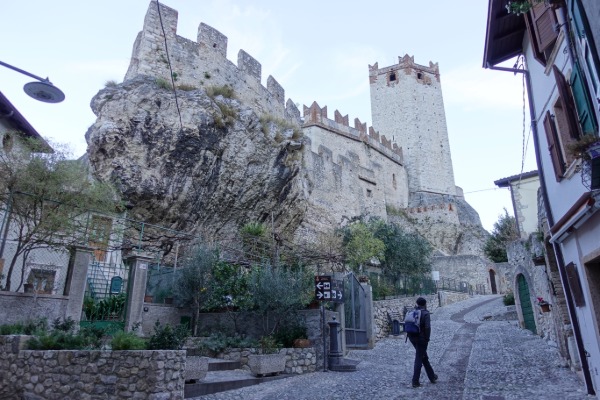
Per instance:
(198,163)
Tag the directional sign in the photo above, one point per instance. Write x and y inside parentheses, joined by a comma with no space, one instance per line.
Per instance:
(328,289)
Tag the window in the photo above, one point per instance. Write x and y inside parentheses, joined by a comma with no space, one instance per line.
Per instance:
(392,77)
(99,236)
(542,28)
(369,193)
(42,280)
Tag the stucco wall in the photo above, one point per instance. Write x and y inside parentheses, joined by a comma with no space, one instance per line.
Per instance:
(21,307)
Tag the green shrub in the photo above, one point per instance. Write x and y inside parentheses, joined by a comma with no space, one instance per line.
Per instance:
(110,83)
(269,345)
(127,341)
(165,337)
(186,88)
(57,340)
(286,334)
(218,342)
(225,91)
(509,299)
(163,83)
(31,327)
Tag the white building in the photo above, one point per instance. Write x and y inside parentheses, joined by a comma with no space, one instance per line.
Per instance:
(558,42)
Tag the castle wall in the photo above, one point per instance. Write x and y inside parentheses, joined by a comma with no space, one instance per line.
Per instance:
(465,268)
(407,106)
(369,167)
(203,63)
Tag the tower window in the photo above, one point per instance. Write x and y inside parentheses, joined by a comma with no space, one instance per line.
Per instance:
(419,75)
(369,193)
(392,77)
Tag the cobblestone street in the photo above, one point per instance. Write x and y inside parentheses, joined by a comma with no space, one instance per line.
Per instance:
(474,359)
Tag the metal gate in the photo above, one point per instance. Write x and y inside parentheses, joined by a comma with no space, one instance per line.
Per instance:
(105,299)
(526,308)
(355,313)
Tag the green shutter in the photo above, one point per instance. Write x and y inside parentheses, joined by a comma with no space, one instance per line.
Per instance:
(581,97)
(578,19)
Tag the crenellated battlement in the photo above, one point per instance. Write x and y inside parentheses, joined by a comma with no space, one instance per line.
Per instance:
(203,63)
(407,66)
(315,115)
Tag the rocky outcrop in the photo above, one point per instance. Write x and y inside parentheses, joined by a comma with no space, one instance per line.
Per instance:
(195,162)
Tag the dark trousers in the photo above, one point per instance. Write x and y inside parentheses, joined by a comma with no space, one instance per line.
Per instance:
(421,358)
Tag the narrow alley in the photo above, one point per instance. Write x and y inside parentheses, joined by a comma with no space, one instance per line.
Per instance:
(474,359)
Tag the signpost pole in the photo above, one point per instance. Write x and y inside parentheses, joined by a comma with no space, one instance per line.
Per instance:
(324,337)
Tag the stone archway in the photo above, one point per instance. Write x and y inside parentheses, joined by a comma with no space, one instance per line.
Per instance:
(525,303)
(493,281)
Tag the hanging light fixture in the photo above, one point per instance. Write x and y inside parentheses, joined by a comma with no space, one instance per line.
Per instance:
(43,90)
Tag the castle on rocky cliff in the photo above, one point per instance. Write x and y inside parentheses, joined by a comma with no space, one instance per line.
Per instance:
(399,169)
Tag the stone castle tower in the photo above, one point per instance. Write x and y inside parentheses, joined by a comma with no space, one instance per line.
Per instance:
(407,107)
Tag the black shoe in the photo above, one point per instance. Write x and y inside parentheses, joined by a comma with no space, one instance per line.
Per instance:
(416,385)
(435,378)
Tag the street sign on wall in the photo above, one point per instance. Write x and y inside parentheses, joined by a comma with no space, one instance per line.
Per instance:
(328,289)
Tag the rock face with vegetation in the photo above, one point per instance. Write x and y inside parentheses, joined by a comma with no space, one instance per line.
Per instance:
(201,161)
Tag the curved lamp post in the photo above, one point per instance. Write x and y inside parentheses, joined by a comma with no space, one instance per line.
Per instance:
(43,90)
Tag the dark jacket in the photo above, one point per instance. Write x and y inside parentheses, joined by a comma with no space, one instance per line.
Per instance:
(425,324)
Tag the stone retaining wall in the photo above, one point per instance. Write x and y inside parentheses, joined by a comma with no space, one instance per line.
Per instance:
(298,361)
(77,374)
(381,326)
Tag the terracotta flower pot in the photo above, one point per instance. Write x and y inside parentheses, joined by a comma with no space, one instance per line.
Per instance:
(301,343)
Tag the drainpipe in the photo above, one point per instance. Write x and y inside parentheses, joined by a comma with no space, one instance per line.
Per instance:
(556,247)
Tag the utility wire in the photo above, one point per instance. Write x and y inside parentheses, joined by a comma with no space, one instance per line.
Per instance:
(169,62)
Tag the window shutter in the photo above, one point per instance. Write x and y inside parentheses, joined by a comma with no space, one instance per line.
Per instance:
(544,22)
(537,54)
(566,100)
(554,147)
(577,19)
(583,105)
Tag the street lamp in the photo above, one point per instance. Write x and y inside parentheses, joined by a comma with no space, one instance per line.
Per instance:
(43,90)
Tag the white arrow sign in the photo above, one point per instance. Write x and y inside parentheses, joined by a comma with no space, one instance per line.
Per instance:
(319,285)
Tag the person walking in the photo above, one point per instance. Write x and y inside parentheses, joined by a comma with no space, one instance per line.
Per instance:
(420,341)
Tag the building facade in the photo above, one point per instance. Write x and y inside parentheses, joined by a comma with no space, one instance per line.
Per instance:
(554,47)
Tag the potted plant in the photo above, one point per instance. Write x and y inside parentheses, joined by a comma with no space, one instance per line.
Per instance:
(519,7)
(544,305)
(586,148)
(269,360)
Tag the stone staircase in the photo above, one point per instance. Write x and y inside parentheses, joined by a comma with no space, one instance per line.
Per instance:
(225,375)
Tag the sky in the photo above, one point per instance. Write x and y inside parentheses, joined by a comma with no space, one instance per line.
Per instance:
(317,50)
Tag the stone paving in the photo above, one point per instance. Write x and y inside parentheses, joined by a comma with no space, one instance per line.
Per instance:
(474,359)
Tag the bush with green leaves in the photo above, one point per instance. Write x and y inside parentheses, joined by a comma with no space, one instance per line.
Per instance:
(268,344)
(31,327)
(509,299)
(127,341)
(166,337)
(62,336)
(288,332)
(218,342)
(277,293)
(504,232)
